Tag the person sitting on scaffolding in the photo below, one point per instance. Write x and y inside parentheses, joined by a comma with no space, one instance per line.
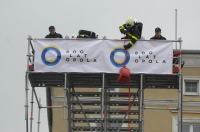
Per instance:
(132,30)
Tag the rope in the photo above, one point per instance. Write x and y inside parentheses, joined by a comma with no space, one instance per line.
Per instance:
(129,91)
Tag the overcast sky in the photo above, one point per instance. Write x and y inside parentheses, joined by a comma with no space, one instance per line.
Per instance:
(20,18)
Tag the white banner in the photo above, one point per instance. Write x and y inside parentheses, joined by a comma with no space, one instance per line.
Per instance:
(102,56)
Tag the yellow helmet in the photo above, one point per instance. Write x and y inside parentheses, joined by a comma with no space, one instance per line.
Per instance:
(130,21)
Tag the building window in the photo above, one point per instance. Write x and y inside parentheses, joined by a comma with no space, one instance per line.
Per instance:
(196,128)
(186,128)
(191,86)
(191,128)
(189,124)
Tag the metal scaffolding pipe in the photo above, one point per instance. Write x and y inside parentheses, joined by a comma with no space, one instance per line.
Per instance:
(180,92)
(28,51)
(26,100)
(39,108)
(31,118)
(65,98)
(159,108)
(69,109)
(141,124)
(36,98)
(31,46)
(102,104)
(129,107)
(51,107)
(176,27)
(106,109)
(26,85)
(98,39)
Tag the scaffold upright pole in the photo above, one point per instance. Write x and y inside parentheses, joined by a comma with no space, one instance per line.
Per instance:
(26,101)
(28,51)
(31,114)
(141,115)
(129,106)
(176,27)
(106,107)
(26,85)
(67,99)
(39,108)
(180,91)
(103,119)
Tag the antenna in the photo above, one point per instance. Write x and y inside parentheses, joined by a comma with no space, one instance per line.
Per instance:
(176,27)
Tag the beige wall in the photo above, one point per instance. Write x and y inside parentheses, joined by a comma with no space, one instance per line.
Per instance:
(59,123)
(161,120)
(157,121)
(191,71)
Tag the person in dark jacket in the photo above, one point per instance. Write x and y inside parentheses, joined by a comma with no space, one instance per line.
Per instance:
(132,31)
(158,34)
(52,33)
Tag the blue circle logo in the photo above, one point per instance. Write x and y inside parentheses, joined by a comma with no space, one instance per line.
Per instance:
(119,63)
(51,62)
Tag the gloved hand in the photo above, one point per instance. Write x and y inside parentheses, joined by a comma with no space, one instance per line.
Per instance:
(126,47)
(123,31)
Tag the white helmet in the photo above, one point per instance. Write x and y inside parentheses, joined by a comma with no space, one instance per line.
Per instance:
(130,21)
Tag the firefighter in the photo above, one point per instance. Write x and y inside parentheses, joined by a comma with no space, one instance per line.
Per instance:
(132,30)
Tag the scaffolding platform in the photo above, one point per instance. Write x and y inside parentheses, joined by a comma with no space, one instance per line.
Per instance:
(95,80)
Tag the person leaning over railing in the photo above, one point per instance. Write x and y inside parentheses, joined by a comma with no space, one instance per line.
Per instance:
(133,30)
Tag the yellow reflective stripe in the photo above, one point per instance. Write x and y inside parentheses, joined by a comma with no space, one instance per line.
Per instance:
(84,35)
(121,27)
(131,43)
(134,37)
(129,34)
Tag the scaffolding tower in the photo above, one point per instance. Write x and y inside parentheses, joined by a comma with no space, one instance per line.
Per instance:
(113,108)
